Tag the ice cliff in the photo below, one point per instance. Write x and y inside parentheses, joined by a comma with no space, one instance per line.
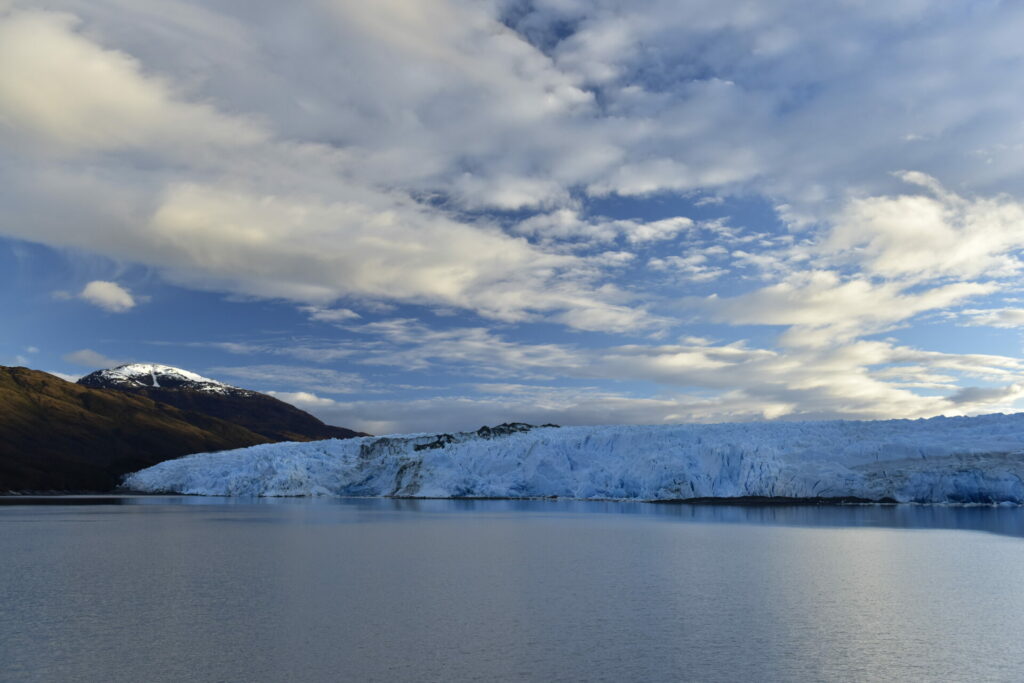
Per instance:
(939,460)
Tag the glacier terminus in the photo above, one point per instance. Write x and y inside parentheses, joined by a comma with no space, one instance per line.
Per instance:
(949,460)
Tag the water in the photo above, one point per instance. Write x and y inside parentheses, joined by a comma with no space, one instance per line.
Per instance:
(187,589)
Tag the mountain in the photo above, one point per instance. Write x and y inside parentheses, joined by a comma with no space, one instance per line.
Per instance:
(259,413)
(959,460)
(60,436)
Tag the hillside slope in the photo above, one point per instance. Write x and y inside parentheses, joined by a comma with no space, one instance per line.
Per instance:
(259,413)
(60,436)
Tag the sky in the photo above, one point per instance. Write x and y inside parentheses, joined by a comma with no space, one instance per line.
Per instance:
(413,215)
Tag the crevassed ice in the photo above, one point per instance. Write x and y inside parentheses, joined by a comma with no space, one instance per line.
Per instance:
(940,460)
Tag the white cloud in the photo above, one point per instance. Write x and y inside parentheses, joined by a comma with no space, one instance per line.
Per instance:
(65,376)
(536,405)
(91,359)
(312,379)
(333,188)
(329,315)
(414,346)
(304,400)
(109,296)
(143,131)
(293,219)
(823,308)
(994,317)
(275,246)
(70,94)
(767,388)
(568,224)
(695,379)
(863,379)
(694,267)
(300,349)
(924,236)
(446,98)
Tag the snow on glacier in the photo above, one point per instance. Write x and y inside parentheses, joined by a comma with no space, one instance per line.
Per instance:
(939,460)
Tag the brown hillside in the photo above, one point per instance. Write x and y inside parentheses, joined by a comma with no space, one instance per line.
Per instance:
(60,436)
(259,413)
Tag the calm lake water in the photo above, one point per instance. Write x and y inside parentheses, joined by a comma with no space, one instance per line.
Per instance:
(193,589)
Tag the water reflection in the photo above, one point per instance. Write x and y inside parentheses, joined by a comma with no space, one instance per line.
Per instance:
(997,520)
(170,588)
(1008,521)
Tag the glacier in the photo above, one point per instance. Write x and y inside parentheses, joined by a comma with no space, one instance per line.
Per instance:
(953,460)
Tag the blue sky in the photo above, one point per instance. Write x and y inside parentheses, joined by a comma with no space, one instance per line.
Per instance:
(408,216)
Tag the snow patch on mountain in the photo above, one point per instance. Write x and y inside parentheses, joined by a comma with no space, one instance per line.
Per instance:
(940,460)
(139,375)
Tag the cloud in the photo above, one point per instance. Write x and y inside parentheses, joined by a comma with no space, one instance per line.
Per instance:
(694,267)
(694,380)
(821,307)
(988,394)
(91,359)
(72,95)
(925,236)
(568,224)
(304,400)
(846,392)
(413,346)
(329,315)
(312,379)
(862,379)
(512,109)
(448,413)
(993,317)
(531,166)
(316,351)
(109,296)
(311,225)
(371,178)
(65,376)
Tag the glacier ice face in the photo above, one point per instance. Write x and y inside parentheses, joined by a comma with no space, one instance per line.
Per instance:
(940,460)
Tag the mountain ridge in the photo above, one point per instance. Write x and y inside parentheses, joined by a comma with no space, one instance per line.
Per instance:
(186,390)
(135,376)
(61,436)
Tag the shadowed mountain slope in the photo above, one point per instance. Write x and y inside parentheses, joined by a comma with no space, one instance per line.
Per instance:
(259,413)
(60,436)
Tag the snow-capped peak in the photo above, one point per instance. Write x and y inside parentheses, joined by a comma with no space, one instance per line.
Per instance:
(155,375)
